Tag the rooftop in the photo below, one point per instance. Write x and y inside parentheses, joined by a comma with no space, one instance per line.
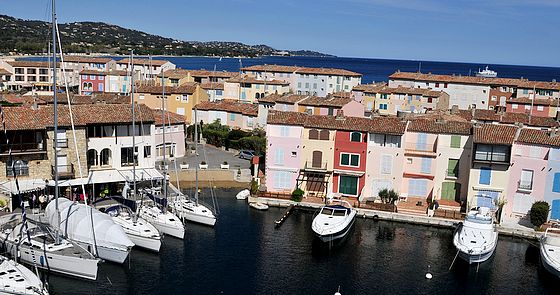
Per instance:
(143,61)
(301,70)
(248,109)
(87,59)
(253,80)
(494,134)
(539,137)
(187,88)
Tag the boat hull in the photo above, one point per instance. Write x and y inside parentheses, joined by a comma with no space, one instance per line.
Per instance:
(478,258)
(198,218)
(551,268)
(470,255)
(259,206)
(13,283)
(61,264)
(177,232)
(337,235)
(148,243)
(107,253)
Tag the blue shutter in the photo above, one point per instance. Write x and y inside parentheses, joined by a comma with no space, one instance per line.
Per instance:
(485,174)
(555,212)
(421,142)
(426,165)
(556,183)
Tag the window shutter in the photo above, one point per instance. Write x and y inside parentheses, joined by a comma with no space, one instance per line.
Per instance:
(527,178)
(485,175)
(386,164)
(426,165)
(421,142)
(453,167)
(455,141)
(556,183)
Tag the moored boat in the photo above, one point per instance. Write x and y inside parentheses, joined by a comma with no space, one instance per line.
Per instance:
(243,195)
(17,279)
(476,238)
(166,222)
(334,220)
(550,252)
(258,205)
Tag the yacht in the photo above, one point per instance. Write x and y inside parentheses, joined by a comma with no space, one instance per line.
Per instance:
(476,238)
(35,243)
(486,73)
(550,252)
(334,220)
(17,279)
(139,231)
(193,211)
(166,222)
(90,228)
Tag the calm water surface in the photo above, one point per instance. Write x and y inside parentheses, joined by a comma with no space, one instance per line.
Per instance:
(245,254)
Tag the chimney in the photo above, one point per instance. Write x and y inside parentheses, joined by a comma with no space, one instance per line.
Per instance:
(454,109)
(554,132)
(340,115)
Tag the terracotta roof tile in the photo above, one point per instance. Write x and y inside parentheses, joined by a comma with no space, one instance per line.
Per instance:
(495,134)
(286,118)
(539,137)
(187,88)
(325,102)
(143,61)
(30,64)
(87,59)
(427,125)
(170,117)
(538,101)
(4,72)
(248,109)
(253,80)
(301,70)
(212,85)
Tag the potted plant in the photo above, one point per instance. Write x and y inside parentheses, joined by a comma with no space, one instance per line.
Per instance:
(184,166)
(224,165)
(297,195)
(203,165)
(193,149)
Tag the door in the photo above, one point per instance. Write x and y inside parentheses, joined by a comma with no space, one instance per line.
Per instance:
(317,159)
(449,190)
(555,212)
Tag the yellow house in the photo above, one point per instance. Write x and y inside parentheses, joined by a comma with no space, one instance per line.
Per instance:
(250,89)
(179,100)
(179,77)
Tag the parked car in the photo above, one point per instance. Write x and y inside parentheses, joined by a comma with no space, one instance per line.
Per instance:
(246,154)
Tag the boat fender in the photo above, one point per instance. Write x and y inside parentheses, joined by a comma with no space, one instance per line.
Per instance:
(428,276)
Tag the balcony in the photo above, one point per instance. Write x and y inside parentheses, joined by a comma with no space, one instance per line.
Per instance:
(64,171)
(20,148)
(420,149)
(490,157)
(317,166)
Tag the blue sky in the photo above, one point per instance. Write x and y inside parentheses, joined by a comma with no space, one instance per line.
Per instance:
(521,32)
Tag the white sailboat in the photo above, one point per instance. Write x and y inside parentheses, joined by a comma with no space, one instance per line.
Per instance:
(17,279)
(476,238)
(334,220)
(192,210)
(165,221)
(550,252)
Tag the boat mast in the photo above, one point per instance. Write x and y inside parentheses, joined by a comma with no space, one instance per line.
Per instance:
(55,107)
(196,153)
(134,153)
(163,134)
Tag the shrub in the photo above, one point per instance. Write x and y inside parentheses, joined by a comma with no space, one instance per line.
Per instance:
(254,187)
(388,196)
(539,213)
(297,195)
(225,163)
(203,163)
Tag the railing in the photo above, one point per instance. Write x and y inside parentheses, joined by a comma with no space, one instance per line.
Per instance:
(525,185)
(62,142)
(422,147)
(491,157)
(63,170)
(310,165)
(20,147)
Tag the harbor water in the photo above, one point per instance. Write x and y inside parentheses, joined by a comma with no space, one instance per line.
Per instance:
(245,254)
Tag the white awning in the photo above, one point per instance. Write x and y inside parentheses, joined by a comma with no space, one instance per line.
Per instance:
(70,182)
(105,176)
(111,175)
(349,172)
(141,174)
(25,186)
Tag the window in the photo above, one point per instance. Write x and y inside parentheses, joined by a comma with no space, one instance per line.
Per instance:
(324,135)
(128,158)
(100,87)
(313,134)
(315,84)
(492,153)
(494,98)
(426,166)
(540,108)
(386,164)
(100,78)
(377,139)
(294,154)
(456,141)
(514,106)
(299,84)
(279,157)
(306,85)
(453,167)
(526,181)
(284,131)
(422,142)
(331,112)
(348,185)
(485,175)
(417,187)
(282,180)
(352,160)
(91,158)
(61,140)
(437,85)
(383,106)
(449,190)
(445,85)
(556,183)
(409,160)
(527,107)
(218,92)
(232,117)
(17,168)
(185,98)
(356,137)
(105,157)
(147,151)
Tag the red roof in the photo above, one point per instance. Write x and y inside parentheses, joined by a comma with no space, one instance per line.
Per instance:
(248,109)
(170,118)
(187,88)
(495,134)
(539,137)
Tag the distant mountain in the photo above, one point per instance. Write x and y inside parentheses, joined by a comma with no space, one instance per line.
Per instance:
(30,36)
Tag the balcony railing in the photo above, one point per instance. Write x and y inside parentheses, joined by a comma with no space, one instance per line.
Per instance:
(64,171)
(22,147)
(320,166)
(491,157)
(526,186)
(420,147)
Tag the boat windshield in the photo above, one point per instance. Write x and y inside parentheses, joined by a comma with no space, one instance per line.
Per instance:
(327,211)
(479,218)
(339,212)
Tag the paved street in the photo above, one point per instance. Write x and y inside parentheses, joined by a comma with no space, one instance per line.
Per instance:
(214,157)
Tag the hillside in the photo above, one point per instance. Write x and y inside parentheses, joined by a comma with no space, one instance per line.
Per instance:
(30,36)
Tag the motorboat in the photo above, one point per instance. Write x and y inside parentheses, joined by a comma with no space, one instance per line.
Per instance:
(166,222)
(193,211)
(487,73)
(333,220)
(36,244)
(259,205)
(92,229)
(141,232)
(243,195)
(18,279)
(476,238)
(550,252)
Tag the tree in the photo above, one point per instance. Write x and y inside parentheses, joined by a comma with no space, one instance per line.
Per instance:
(215,133)
(388,196)
(539,213)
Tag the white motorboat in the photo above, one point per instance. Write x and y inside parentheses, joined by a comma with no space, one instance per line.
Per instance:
(193,211)
(166,222)
(90,228)
(141,232)
(550,252)
(487,73)
(476,238)
(17,279)
(258,205)
(42,250)
(243,195)
(334,220)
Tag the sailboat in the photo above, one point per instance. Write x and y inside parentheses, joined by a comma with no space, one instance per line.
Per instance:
(157,214)
(17,279)
(38,243)
(189,209)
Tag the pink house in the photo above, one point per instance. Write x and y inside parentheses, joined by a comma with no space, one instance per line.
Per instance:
(537,107)
(419,163)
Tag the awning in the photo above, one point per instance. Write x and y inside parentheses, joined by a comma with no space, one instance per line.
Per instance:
(349,172)
(25,186)
(141,174)
(70,182)
(111,175)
